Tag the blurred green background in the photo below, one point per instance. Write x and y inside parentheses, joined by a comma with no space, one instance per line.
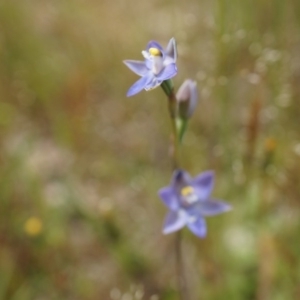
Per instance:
(80,164)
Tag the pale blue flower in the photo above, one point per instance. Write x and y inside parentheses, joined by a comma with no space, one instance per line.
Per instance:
(189,202)
(159,65)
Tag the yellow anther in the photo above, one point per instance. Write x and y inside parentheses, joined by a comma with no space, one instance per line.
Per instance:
(188,190)
(270,144)
(33,226)
(155,52)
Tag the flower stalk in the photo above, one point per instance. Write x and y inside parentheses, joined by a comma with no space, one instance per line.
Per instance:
(168,88)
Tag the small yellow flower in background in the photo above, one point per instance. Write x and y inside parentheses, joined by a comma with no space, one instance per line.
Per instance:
(270,144)
(33,226)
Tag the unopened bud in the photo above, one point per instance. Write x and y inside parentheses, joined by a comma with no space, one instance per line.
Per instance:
(187,98)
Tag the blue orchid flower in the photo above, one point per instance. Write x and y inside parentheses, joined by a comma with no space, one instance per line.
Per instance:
(159,65)
(189,202)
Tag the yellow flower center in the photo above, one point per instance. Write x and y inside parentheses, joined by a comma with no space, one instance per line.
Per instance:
(189,196)
(33,226)
(187,190)
(155,52)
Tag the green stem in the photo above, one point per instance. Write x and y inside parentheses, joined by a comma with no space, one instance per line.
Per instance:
(181,280)
(168,88)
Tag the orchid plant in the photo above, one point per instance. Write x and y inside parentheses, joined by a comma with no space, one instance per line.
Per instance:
(188,199)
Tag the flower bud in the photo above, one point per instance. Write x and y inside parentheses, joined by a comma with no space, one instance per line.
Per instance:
(187,98)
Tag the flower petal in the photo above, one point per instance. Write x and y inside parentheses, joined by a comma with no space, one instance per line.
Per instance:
(174,221)
(198,227)
(180,179)
(184,91)
(168,72)
(139,85)
(194,97)
(187,98)
(154,44)
(212,208)
(148,63)
(138,67)
(171,49)
(169,197)
(204,184)
(154,83)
